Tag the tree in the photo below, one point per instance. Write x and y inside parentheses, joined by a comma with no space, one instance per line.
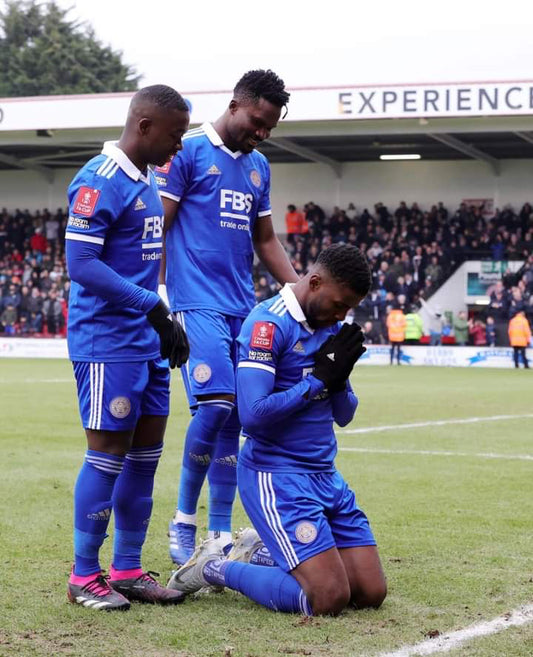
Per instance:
(42,52)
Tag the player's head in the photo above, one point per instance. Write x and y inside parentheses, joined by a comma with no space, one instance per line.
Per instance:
(258,98)
(339,280)
(158,118)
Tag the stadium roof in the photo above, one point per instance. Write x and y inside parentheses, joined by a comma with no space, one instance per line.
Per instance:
(456,121)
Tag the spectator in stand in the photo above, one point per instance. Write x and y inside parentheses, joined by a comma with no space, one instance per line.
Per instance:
(262,289)
(414,328)
(516,302)
(396,331)
(24,306)
(411,288)
(314,214)
(372,333)
(12,298)
(460,328)
(351,212)
(8,319)
(435,322)
(499,309)
(519,337)
(434,270)
(490,330)
(477,331)
(38,241)
(53,313)
(295,223)
(36,323)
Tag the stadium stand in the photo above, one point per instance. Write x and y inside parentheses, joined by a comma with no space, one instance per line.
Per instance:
(411,251)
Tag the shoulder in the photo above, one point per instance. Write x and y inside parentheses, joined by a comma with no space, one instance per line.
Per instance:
(193,140)
(268,322)
(98,173)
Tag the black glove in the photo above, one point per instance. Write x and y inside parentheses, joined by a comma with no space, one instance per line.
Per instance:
(337,356)
(174,343)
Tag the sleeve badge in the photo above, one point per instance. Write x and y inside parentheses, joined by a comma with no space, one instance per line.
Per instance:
(263,335)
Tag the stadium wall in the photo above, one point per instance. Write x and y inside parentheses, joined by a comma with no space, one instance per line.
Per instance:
(362,183)
(500,357)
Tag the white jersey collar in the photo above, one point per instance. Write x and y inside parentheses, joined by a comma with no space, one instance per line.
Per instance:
(216,140)
(113,151)
(293,306)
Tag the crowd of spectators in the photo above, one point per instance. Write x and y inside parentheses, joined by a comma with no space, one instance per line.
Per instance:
(411,253)
(34,285)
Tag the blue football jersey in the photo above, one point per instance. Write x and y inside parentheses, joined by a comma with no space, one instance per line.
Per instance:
(209,249)
(114,205)
(276,337)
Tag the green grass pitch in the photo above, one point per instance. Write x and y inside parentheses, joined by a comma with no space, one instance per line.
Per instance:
(455,530)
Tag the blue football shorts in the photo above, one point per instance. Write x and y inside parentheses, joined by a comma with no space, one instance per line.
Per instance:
(301,515)
(113,396)
(213,358)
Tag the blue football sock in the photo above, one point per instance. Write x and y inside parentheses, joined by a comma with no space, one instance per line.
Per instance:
(132,505)
(222,475)
(270,587)
(92,508)
(199,446)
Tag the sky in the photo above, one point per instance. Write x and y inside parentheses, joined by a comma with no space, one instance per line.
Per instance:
(207,45)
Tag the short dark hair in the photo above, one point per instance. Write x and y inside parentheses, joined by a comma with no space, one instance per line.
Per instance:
(262,84)
(162,96)
(347,265)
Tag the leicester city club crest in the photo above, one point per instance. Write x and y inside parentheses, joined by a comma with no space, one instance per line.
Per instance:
(255,178)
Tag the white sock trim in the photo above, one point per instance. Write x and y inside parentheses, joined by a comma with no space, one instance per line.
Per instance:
(186,518)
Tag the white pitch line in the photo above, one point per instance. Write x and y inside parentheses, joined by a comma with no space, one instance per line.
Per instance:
(451,640)
(425,452)
(434,423)
(14,382)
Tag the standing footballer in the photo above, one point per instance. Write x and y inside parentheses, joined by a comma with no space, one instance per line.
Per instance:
(216,195)
(113,248)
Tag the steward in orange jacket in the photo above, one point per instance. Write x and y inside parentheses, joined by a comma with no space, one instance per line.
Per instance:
(519,331)
(396,325)
(519,337)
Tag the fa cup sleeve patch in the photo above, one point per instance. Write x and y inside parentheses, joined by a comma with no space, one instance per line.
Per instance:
(263,335)
(166,167)
(86,201)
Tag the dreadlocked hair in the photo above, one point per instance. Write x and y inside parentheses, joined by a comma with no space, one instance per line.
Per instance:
(262,84)
(347,265)
(163,96)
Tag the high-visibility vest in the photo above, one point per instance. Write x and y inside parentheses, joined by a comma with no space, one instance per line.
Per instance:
(414,329)
(519,331)
(396,326)
(296,223)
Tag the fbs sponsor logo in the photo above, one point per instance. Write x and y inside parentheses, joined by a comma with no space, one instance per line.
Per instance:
(214,170)
(140,205)
(104,514)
